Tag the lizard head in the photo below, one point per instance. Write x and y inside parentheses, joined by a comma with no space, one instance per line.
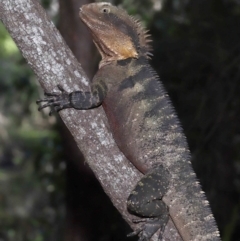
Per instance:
(117,35)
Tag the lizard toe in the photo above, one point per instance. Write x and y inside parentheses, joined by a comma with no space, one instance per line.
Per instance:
(148,229)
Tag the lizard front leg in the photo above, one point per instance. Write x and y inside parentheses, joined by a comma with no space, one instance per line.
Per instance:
(146,202)
(78,99)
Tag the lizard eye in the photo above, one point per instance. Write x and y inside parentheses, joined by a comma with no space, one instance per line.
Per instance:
(105,10)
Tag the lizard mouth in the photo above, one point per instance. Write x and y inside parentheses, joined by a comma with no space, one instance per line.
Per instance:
(86,18)
(81,14)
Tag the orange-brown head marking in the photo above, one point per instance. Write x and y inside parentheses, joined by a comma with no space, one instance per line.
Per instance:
(116,34)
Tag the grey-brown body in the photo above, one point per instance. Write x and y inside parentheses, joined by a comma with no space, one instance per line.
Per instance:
(147,131)
(140,115)
(144,125)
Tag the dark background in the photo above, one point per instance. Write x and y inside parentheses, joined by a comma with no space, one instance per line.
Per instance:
(48,194)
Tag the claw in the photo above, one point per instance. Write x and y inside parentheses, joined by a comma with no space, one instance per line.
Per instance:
(56,100)
(136,232)
(58,108)
(143,236)
(51,112)
(52,94)
(150,226)
(140,220)
(60,87)
(45,100)
(43,106)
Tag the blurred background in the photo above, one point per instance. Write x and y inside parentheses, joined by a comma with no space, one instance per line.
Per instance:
(46,194)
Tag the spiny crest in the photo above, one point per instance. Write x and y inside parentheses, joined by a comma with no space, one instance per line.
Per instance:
(142,32)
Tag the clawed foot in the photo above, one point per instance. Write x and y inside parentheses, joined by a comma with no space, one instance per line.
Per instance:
(58,101)
(150,227)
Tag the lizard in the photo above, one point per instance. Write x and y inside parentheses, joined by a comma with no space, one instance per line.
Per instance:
(144,125)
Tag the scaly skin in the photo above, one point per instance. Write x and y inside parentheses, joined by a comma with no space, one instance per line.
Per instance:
(144,125)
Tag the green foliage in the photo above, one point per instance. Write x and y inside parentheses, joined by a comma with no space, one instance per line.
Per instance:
(7,46)
(31,167)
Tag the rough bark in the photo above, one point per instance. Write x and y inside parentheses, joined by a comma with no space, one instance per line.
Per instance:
(80,181)
(53,63)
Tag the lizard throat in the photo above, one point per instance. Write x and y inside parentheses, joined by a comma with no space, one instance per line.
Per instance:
(108,54)
(112,45)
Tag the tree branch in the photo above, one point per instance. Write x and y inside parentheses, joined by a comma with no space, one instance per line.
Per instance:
(53,63)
